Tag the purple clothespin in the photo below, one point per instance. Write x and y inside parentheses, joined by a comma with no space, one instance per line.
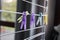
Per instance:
(23,21)
(32,20)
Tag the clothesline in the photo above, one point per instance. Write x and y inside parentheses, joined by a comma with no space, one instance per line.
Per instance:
(18,12)
(34,4)
(21,31)
(34,36)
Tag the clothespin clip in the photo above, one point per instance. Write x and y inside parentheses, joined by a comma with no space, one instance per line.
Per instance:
(32,23)
(46,19)
(40,19)
(23,20)
(32,20)
(20,18)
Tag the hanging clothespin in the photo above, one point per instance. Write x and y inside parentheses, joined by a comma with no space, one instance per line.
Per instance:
(20,18)
(46,19)
(32,23)
(40,19)
(32,20)
(23,20)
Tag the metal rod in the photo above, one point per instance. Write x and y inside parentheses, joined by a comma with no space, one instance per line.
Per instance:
(34,36)
(21,31)
(18,12)
(10,11)
(34,4)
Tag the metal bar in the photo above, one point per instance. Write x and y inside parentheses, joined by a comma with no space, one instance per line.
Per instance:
(18,12)
(20,31)
(34,4)
(34,36)
(33,9)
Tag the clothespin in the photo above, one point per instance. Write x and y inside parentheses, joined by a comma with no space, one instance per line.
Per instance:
(32,20)
(46,19)
(23,21)
(20,18)
(40,19)
(32,23)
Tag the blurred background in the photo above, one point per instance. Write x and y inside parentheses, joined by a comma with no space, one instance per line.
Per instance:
(9,23)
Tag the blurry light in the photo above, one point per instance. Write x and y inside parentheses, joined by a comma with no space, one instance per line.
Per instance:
(8,1)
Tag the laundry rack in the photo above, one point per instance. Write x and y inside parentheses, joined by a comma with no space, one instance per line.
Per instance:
(29,29)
